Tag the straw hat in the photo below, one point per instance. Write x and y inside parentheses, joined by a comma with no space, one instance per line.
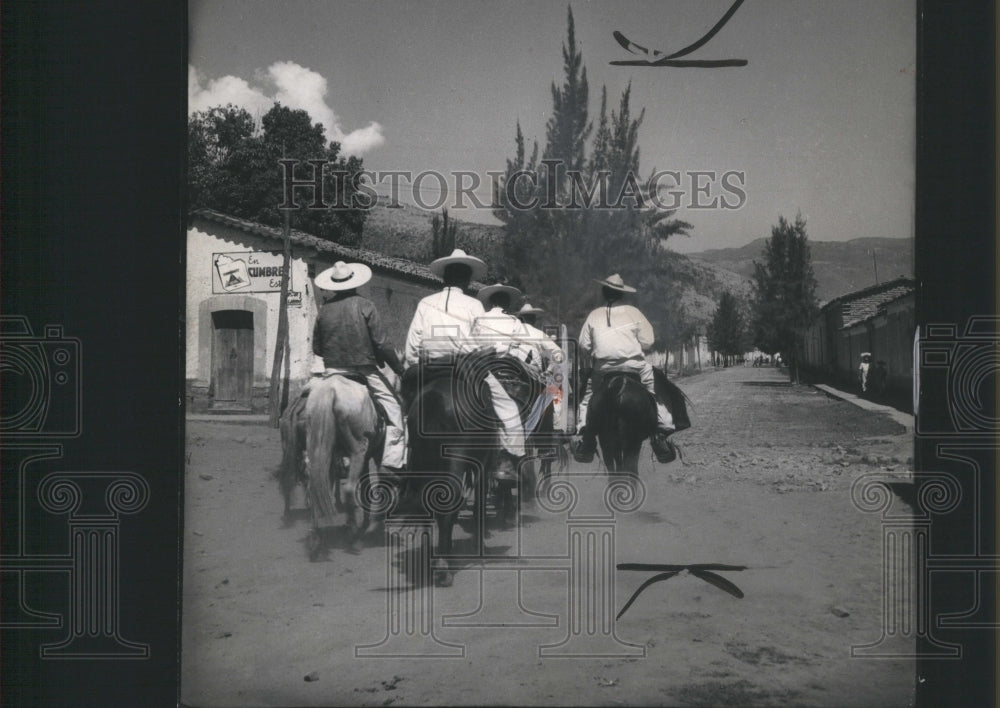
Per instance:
(527,309)
(343,276)
(489,291)
(615,282)
(458,256)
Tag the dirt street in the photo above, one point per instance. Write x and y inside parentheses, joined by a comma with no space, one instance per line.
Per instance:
(765,483)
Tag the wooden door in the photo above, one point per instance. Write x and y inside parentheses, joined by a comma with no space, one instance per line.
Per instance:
(232,357)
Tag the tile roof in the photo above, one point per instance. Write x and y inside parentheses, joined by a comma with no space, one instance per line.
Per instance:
(865,304)
(397,266)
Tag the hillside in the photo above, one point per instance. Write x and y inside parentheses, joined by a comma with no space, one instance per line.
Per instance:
(840,266)
(406,233)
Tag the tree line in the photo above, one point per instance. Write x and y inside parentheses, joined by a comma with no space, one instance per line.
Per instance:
(233,167)
(553,254)
(782,303)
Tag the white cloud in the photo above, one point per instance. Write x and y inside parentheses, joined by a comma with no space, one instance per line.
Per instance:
(219,92)
(294,86)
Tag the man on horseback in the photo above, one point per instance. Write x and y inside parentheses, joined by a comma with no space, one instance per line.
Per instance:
(442,328)
(545,346)
(617,335)
(349,336)
(546,353)
(499,330)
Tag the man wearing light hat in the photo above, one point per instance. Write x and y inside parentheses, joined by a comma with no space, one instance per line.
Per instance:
(617,335)
(863,369)
(547,353)
(545,346)
(442,327)
(349,336)
(497,328)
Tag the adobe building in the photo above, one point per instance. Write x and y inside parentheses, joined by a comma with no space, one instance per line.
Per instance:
(879,319)
(234,270)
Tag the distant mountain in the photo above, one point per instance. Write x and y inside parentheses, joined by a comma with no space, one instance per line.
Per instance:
(406,233)
(840,266)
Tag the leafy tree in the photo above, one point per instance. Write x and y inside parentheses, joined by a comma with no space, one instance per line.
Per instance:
(233,168)
(784,292)
(726,330)
(555,248)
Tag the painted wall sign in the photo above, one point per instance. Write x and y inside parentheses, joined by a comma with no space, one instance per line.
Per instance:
(247,272)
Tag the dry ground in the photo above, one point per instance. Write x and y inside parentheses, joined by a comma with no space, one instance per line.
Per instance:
(766,484)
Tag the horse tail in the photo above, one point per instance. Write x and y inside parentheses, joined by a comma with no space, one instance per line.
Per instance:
(292,444)
(321,437)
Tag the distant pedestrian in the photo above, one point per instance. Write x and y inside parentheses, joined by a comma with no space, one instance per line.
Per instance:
(864,369)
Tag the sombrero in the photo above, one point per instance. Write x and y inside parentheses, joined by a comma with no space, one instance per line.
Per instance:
(489,291)
(527,309)
(615,282)
(458,256)
(343,276)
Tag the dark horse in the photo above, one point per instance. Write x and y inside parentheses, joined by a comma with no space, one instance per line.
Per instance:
(623,415)
(453,444)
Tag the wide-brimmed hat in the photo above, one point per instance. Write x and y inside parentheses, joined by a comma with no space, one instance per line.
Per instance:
(458,256)
(489,291)
(528,309)
(866,354)
(615,282)
(343,276)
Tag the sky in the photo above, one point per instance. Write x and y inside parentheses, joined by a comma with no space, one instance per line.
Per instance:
(821,120)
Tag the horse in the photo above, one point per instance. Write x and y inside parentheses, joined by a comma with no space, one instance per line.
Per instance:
(623,414)
(292,470)
(453,447)
(330,435)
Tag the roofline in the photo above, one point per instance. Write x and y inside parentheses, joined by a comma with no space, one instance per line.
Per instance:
(377,261)
(847,297)
(880,311)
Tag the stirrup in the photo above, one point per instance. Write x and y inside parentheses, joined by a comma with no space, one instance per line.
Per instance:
(664,450)
(506,470)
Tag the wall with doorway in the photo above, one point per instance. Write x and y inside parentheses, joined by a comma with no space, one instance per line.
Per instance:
(231,318)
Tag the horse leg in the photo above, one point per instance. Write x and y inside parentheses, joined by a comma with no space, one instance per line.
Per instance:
(446,517)
(444,575)
(630,462)
(292,450)
(356,464)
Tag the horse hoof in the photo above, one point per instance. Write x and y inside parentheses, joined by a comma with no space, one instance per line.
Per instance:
(315,547)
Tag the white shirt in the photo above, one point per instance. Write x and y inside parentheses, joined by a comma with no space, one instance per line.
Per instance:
(545,348)
(442,326)
(615,332)
(504,333)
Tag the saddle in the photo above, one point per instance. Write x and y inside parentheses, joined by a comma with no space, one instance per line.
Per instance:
(466,373)
(667,393)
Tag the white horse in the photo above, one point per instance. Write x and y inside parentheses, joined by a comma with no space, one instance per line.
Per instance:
(328,439)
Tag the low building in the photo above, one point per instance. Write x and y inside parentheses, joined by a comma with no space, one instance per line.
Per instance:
(234,271)
(880,320)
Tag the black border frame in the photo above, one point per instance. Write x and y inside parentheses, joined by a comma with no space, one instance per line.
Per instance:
(93,151)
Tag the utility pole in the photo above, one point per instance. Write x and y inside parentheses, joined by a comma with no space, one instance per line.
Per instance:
(874,264)
(274,395)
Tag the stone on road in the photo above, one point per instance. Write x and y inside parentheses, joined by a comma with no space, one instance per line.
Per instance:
(765,484)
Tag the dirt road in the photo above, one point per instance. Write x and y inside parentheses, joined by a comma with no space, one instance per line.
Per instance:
(766,484)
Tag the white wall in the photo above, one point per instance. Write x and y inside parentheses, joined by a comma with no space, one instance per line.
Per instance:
(216,238)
